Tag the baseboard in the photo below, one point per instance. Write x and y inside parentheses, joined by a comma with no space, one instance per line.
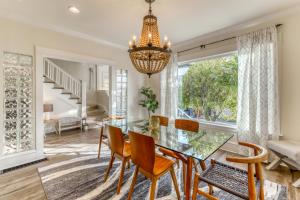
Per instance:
(22,166)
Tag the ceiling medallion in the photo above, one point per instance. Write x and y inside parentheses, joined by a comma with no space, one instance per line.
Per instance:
(148,56)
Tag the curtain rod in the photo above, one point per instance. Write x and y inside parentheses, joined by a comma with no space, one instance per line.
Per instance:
(202,46)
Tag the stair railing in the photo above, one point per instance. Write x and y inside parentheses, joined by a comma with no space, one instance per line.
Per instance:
(62,79)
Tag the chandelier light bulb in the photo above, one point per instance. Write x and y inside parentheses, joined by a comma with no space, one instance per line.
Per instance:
(134,38)
(165,44)
(150,39)
(169,44)
(130,44)
(134,41)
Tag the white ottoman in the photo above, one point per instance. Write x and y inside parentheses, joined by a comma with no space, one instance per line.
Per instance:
(288,151)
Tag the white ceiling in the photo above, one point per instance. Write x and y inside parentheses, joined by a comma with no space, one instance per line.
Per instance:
(115,21)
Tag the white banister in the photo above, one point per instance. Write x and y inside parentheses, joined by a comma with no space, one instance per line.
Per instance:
(83,99)
(62,78)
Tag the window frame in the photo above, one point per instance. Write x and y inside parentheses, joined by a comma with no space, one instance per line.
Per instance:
(123,96)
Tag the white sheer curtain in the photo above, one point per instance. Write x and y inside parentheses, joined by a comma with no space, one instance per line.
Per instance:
(169,88)
(258,100)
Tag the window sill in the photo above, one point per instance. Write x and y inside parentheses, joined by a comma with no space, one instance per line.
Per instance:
(218,125)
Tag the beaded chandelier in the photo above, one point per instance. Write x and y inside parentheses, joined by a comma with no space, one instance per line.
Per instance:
(148,56)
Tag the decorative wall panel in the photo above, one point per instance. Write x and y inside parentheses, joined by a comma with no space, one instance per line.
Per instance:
(18,103)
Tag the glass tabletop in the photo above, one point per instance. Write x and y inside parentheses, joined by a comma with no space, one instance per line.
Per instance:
(199,145)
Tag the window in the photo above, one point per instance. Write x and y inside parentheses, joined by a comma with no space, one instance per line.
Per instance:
(121,92)
(208,89)
(102,77)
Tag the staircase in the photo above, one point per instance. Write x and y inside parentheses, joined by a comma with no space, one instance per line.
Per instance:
(65,83)
(96,113)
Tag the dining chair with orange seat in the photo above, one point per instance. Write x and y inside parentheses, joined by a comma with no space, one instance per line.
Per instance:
(150,164)
(238,182)
(163,121)
(102,134)
(120,149)
(187,125)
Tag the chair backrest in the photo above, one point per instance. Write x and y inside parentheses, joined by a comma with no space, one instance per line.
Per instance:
(142,151)
(260,155)
(163,121)
(187,125)
(115,139)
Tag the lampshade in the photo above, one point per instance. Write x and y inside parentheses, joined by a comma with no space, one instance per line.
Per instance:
(48,107)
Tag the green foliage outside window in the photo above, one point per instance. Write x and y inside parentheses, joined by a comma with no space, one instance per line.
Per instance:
(209,88)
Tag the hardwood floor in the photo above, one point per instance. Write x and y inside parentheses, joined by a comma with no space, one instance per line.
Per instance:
(24,183)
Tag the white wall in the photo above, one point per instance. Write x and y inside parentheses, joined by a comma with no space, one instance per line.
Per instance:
(289,61)
(290,77)
(62,105)
(22,38)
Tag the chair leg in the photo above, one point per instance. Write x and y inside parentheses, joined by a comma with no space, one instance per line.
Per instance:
(183,174)
(124,161)
(195,166)
(100,141)
(251,182)
(175,182)
(177,162)
(195,188)
(260,178)
(153,187)
(203,165)
(128,164)
(109,166)
(261,191)
(136,171)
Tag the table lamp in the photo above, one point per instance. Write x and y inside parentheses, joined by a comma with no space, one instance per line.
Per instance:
(47,109)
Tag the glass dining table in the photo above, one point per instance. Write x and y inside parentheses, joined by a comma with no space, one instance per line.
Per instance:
(191,145)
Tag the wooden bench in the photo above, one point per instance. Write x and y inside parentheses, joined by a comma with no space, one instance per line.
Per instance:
(288,152)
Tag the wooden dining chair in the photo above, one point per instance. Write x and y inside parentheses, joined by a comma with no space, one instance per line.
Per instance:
(102,135)
(163,121)
(187,125)
(241,183)
(120,149)
(150,164)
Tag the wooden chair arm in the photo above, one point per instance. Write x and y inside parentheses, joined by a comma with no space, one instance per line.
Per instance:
(250,145)
(261,154)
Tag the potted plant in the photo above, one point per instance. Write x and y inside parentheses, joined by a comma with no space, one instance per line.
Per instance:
(149,100)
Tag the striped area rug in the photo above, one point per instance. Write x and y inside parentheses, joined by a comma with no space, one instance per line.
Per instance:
(81,178)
